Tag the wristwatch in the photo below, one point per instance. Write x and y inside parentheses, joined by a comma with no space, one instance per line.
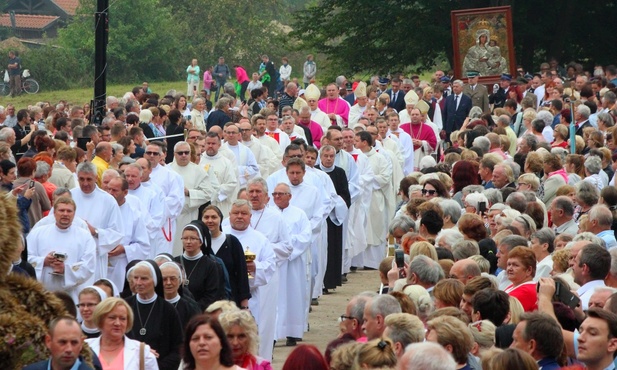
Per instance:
(96,233)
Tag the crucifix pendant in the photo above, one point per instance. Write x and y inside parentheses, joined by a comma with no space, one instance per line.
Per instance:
(186,282)
(142,331)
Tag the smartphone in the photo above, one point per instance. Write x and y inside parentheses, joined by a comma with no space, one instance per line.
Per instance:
(31,185)
(399,258)
(82,141)
(60,256)
(481,207)
(565,296)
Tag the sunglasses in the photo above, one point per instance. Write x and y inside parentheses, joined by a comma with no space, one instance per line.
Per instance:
(429,192)
(153,153)
(184,152)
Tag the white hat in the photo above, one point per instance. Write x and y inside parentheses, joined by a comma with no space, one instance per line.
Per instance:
(411,98)
(312,92)
(299,103)
(422,106)
(360,90)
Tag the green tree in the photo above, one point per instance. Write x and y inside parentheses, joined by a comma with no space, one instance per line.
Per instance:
(142,40)
(392,35)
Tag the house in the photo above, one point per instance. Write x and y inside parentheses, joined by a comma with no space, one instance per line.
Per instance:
(36,18)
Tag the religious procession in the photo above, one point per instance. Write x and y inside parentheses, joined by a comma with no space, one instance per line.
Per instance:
(197,230)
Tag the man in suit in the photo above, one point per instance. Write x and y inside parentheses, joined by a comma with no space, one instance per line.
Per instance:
(581,118)
(498,98)
(397,96)
(65,342)
(456,109)
(477,92)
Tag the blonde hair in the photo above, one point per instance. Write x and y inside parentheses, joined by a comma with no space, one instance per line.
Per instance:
(376,353)
(469,155)
(423,248)
(483,333)
(483,263)
(516,310)
(223,306)
(106,306)
(344,356)
(405,328)
(452,331)
(245,320)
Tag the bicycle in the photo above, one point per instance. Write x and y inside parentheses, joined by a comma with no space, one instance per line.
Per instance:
(28,84)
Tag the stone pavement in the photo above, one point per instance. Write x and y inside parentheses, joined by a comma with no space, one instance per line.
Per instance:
(324,319)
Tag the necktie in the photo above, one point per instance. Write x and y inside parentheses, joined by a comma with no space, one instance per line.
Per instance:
(455,102)
(394,96)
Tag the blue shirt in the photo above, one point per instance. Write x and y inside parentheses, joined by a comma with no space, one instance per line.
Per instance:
(609,238)
(75,366)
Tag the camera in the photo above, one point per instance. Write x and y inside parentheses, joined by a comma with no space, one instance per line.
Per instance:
(60,256)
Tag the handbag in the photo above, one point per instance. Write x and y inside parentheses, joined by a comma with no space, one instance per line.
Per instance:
(142,355)
(6,76)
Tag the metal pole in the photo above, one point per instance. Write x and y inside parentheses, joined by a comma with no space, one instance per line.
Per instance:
(572,129)
(101,30)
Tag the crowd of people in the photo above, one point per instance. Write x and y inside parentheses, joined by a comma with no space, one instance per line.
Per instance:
(490,224)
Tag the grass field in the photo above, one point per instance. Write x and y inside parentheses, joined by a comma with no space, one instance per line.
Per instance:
(82,96)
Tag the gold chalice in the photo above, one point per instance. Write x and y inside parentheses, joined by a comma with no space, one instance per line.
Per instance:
(249,257)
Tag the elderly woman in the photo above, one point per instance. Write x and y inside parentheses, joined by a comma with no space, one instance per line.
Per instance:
(476,203)
(533,163)
(88,299)
(447,238)
(587,195)
(241,331)
(117,151)
(40,201)
(198,119)
(554,177)
(451,213)
(521,269)
(158,324)
(529,115)
(605,122)
(528,182)
(205,346)
(203,274)
(114,317)
(472,227)
(593,166)
(483,335)
(172,288)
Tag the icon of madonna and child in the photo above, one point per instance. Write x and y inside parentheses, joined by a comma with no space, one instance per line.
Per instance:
(485,56)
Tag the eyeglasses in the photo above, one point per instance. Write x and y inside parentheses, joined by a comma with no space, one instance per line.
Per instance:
(429,192)
(279,194)
(189,239)
(187,152)
(85,305)
(153,153)
(343,318)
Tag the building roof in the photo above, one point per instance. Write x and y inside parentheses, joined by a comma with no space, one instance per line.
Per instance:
(69,6)
(32,22)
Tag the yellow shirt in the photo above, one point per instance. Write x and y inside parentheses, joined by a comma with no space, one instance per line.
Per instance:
(101,166)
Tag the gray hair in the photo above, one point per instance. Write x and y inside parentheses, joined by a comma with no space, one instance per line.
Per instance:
(402,222)
(546,235)
(561,153)
(86,167)
(6,133)
(565,204)
(601,213)
(357,310)
(223,102)
(517,200)
(610,97)
(451,208)
(305,109)
(465,249)
(61,191)
(475,112)
(512,241)
(42,169)
(607,119)
(590,237)
(613,252)
(472,189)
(260,181)
(493,195)
(117,147)
(583,110)
(528,223)
(428,356)
(483,143)
(384,305)
(531,140)
(180,143)
(587,192)
(426,269)
(503,120)
(474,200)
(545,116)
(241,203)
(449,236)
(458,82)
(197,101)
(593,164)
(110,172)
(111,99)
(138,167)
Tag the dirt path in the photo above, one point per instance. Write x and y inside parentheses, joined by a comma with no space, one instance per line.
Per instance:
(324,318)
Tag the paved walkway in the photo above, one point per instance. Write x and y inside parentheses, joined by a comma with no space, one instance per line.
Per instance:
(324,318)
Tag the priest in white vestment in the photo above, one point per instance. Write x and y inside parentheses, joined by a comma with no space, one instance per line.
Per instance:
(63,255)
(225,172)
(293,303)
(245,160)
(377,225)
(267,161)
(404,142)
(199,188)
(173,188)
(264,290)
(135,244)
(273,130)
(312,96)
(101,212)
(358,109)
(259,131)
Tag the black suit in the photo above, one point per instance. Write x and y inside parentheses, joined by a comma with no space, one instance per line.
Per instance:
(579,130)
(399,103)
(453,118)
(498,98)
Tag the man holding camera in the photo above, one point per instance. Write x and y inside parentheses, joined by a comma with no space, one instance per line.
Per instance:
(62,255)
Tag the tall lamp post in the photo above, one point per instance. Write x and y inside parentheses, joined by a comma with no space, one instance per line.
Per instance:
(101,31)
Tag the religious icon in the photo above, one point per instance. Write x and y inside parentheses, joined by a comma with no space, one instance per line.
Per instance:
(482,41)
